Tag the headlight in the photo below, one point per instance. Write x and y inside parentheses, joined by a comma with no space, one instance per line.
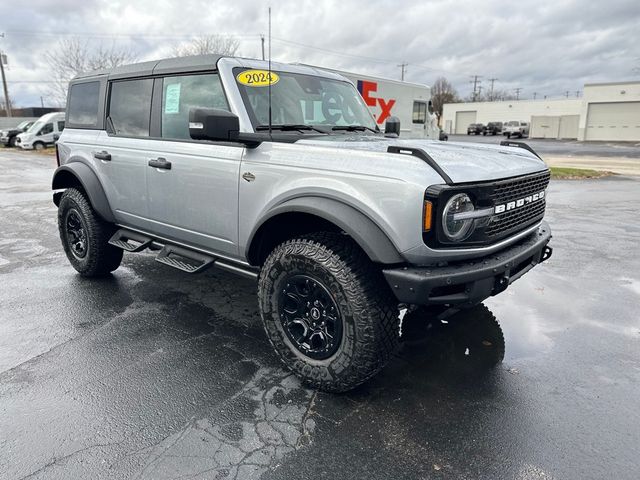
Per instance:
(457,227)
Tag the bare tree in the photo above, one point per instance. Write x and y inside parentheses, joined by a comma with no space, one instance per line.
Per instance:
(73,56)
(203,44)
(442,92)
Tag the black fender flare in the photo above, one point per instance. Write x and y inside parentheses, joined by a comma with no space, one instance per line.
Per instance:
(367,234)
(68,174)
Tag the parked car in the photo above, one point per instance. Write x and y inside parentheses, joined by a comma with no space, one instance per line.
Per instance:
(348,230)
(8,136)
(43,133)
(516,129)
(475,128)
(493,128)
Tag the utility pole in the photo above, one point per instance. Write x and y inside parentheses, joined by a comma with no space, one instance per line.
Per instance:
(41,101)
(566,94)
(480,90)
(518,90)
(476,81)
(491,89)
(577,93)
(535,94)
(7,103)
(403,66)
(262,41)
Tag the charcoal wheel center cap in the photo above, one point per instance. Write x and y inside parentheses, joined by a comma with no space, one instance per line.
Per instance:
(315,313)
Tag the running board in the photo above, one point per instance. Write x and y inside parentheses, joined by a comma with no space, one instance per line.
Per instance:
(183,259)
(121,239)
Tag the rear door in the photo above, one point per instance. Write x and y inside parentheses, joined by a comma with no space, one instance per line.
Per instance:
(120,154)
(192,186)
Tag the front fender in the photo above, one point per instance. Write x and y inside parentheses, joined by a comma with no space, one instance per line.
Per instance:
(73,173)
(358,226)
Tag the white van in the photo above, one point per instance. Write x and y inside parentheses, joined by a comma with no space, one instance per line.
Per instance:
(43,133)
(410,102)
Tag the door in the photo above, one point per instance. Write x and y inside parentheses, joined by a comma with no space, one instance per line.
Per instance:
(45,135)
(419,119)
(120,156)
(192,186)
(463,120)
(613,121)
(569,127)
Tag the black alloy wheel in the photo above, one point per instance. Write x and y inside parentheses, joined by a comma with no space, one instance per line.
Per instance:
(310,317)
(76,234)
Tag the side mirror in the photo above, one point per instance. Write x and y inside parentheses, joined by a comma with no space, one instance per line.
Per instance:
(56,137)
(213,124)
(392,127)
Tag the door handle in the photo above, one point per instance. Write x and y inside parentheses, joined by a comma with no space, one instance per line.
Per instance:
(160,163)
(105,156)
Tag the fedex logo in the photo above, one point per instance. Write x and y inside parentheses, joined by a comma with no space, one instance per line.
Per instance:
(367,89)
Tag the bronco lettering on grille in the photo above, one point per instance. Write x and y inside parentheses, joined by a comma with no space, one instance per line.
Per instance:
(521,202)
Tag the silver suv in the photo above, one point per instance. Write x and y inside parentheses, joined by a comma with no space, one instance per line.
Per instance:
(282,175)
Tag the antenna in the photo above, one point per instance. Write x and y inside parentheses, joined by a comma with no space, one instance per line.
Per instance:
(269,72)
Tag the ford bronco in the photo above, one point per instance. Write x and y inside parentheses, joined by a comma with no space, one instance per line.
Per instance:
(281,175)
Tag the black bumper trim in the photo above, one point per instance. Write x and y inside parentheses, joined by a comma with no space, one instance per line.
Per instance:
(470,282)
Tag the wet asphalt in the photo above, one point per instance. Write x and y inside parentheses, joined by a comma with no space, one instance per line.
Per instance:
(152,373)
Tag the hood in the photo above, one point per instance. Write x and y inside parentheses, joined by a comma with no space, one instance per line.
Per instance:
(462,162)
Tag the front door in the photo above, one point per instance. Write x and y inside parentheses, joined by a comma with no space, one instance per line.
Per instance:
(192,186)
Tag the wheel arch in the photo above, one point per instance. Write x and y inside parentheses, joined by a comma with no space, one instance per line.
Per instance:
(309,214)
(79,175)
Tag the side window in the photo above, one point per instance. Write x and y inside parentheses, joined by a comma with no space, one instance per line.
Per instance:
(61,126)
(83,104)
(182,93)
(419,112)
(48,128)
(130,107)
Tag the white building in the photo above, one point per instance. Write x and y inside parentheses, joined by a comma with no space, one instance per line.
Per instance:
(606,111)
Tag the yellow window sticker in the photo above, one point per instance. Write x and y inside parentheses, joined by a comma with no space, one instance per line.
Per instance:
(257,78)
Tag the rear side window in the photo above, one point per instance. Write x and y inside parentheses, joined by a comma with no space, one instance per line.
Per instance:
(61,126)
(130,107)
(419,112)
(83,104)
(182,93)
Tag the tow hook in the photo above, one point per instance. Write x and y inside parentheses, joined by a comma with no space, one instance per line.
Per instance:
(546,254)
(500,284)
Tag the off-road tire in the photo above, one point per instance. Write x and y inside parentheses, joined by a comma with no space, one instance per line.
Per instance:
(100,258)
(12,142)
(368,309)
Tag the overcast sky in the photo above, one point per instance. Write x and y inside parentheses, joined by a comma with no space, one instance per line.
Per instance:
(547,47)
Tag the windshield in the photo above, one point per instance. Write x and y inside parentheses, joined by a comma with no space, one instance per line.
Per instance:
(22,125)
(303,100)
(513,124)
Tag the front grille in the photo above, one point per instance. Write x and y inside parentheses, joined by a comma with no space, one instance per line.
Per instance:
(503,223)
(512,189)
(491,194)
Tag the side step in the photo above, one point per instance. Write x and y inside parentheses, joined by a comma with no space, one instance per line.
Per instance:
(121,239)
(187,260)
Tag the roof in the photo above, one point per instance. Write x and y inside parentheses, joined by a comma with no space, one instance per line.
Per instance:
(198,63)
(157,67)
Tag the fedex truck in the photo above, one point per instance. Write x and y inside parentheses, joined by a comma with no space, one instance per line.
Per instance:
(410,102)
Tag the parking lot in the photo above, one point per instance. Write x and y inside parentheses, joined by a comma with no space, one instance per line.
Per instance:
(152,373)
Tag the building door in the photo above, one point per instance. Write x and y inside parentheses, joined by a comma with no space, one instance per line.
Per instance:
(463,120)
(613,121)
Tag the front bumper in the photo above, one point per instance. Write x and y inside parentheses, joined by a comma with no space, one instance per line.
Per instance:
(469,282)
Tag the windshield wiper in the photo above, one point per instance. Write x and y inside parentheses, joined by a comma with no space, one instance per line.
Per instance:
(286,127)
(354,128)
